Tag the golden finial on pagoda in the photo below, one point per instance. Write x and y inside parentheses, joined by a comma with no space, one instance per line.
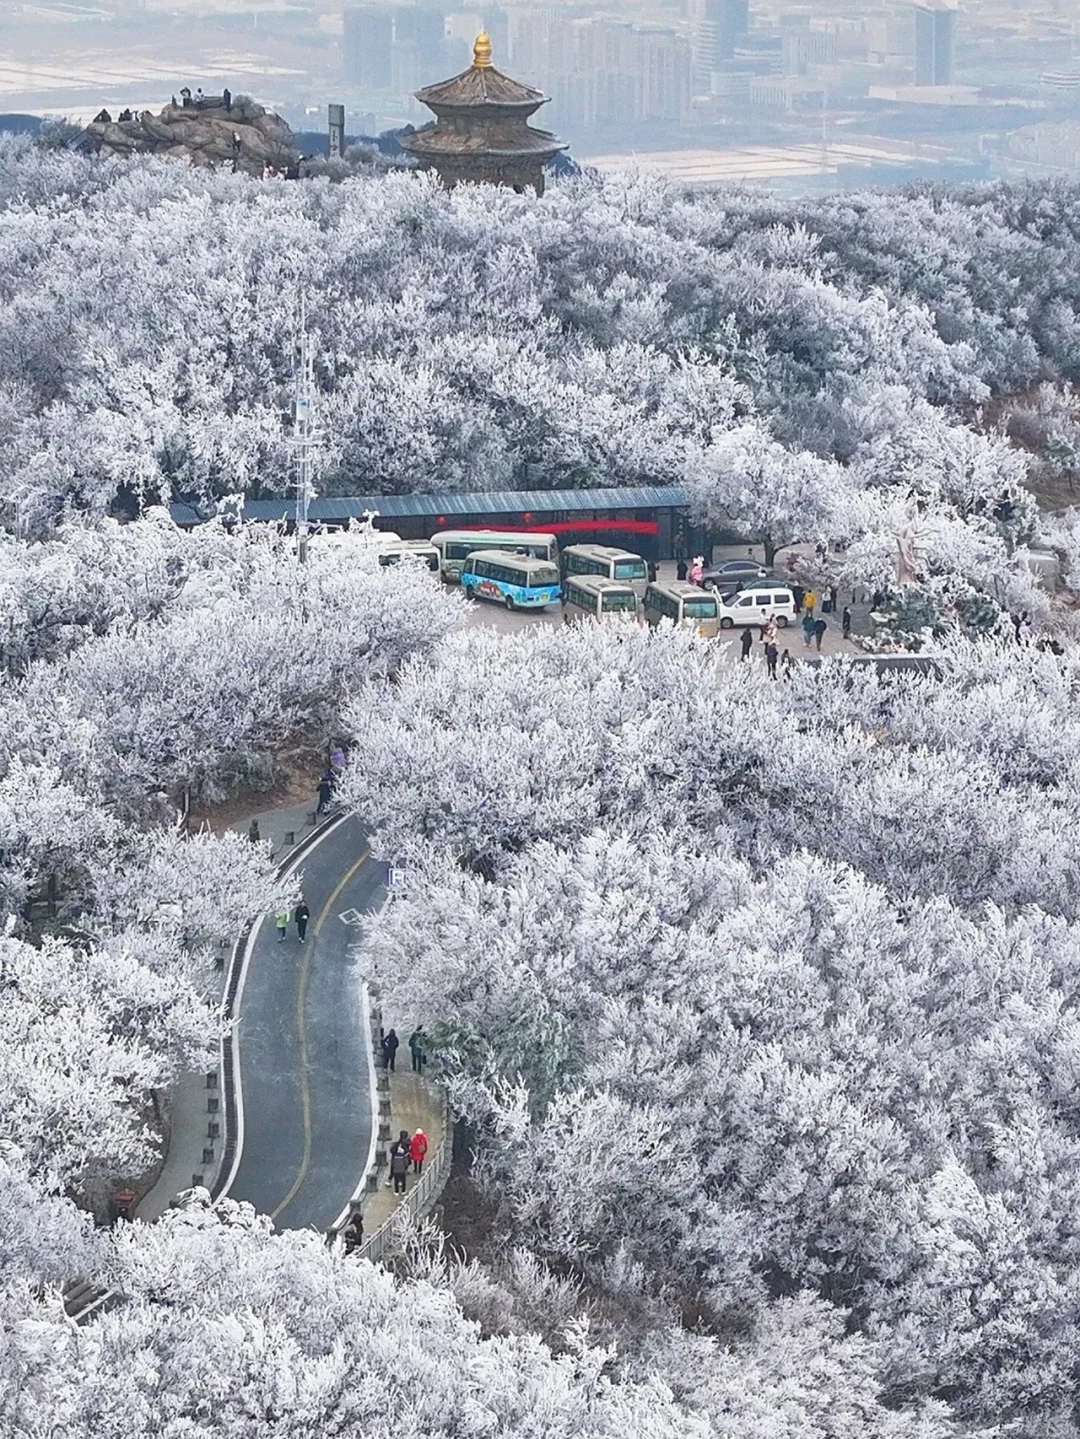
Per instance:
(481,51)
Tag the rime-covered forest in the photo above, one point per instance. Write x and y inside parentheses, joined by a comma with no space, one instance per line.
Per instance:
(481,341)
(759,1000)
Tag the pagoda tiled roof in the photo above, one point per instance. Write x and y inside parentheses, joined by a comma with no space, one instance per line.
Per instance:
(478,86)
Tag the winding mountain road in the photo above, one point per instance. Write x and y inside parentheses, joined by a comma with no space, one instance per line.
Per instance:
(301,1046)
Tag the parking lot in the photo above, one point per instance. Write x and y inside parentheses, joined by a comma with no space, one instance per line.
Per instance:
(482,612)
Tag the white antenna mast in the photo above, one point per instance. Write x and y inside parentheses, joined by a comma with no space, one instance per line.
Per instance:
(304,436)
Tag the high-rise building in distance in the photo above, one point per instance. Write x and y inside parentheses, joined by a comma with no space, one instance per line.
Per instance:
(368,45)
(419,46)
(933,45)
(716,27)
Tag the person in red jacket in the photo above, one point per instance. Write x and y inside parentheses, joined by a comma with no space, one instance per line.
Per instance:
(418,1150)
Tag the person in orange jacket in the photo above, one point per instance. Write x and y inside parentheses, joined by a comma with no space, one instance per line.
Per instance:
(418,1150)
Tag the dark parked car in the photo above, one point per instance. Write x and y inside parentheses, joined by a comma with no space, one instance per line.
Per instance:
(730,575)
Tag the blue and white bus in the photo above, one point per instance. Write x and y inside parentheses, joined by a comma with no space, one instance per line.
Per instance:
(518,581)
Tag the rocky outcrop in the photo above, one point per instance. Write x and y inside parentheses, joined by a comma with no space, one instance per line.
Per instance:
(205,132)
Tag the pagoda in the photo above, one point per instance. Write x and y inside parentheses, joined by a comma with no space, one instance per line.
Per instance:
(481,132)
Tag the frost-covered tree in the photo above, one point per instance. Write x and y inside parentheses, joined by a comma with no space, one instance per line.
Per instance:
(736,978)
(170,372)
(749,480)
(266,1334)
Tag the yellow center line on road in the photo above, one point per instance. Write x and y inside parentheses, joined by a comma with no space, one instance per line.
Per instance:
(301,1027)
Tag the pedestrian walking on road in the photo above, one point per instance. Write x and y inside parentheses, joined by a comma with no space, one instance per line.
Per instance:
(832,599)
(797,593)
(390,1048)
(337,758)
(399,1161)
(253,831)
(819,633)
(301,914)
(746,643)
(326,786)
(772,654)
(809,601)
(652,572)
(808,629)
(845,621)
(697,569)
(281,919)
(787,664)
(416,1050)
(680,569)
(418,1150)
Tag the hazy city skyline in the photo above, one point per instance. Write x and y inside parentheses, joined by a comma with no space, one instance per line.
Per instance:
(706,90)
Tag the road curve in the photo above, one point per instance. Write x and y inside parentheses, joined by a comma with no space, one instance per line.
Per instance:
(304,1099)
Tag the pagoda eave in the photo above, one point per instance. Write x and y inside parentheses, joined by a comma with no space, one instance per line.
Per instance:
(434,144)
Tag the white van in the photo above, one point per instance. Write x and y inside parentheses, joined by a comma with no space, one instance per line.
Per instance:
(756,605)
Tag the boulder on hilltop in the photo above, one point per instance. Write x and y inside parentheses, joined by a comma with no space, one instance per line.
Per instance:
(243,134)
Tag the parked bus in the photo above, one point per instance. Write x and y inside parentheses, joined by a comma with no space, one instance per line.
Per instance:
(608,562)
(419,549)
(683,604)
(519,581)
(598,598)
(455,546)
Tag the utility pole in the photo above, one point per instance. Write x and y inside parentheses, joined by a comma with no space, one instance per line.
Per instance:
(825,131)
(303,431)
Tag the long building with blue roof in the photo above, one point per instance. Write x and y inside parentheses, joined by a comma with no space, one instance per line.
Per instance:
(653,520)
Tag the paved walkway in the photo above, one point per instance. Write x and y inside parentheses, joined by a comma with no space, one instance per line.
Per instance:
(414,1104)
